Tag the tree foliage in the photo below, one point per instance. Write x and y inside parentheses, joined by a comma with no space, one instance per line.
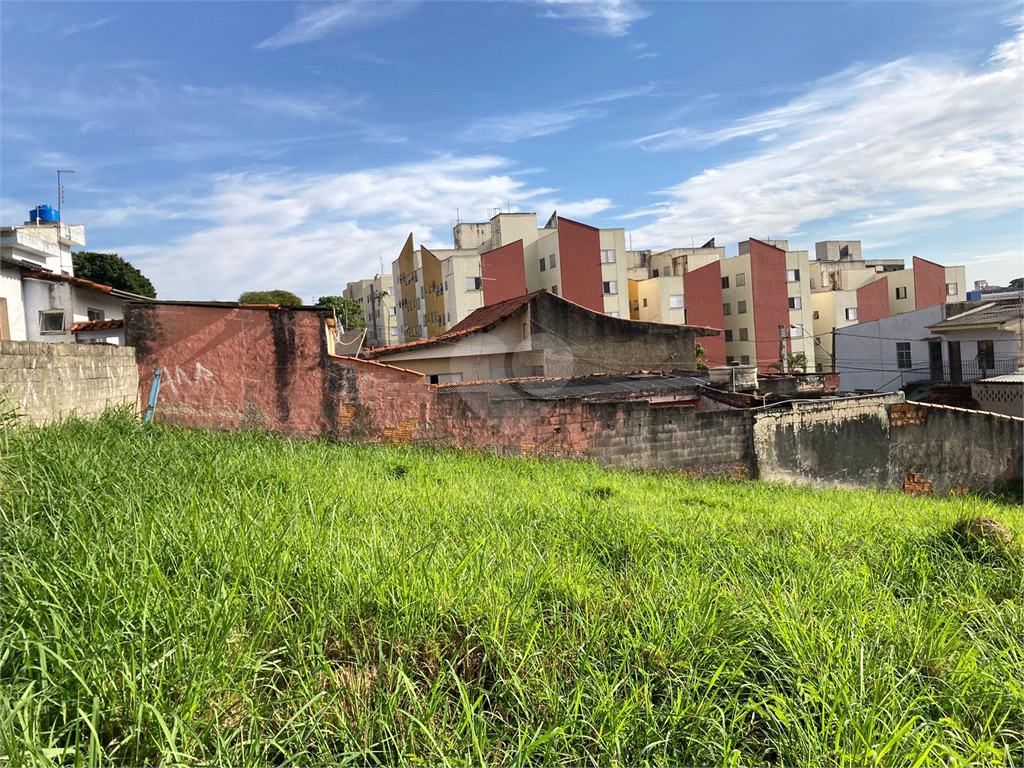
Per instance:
(350,314)
(795,362)
(1017,283)
(700,354)
(110,269)
(277,296)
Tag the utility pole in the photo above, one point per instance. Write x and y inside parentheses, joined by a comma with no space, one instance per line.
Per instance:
(783,361)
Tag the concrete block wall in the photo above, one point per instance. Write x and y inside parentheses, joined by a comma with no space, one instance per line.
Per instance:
(45,382)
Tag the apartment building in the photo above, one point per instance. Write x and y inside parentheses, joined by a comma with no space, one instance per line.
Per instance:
(376,298)
(432,287)
(848,289)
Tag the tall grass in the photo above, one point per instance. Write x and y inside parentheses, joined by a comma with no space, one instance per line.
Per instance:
(185,597)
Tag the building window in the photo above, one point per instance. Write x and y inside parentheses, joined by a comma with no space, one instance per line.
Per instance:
(446,285)
(608,256)
(987,355)
(391,310)
(97,314)
(851,313)
(612,314)
(645,302)
(423,292)
(391,290)
(554,289)
(51,321)
(816,315)
(818,367)
(729,359)
(551,261)
(796,332)
(794,302)
(744,359)
(543,266)
(728,335)
(725,282)
(792,275)
(744,334)
(741,307)
(903,354)
(901,293)
(394,330)
(813,286)
(741,279)
(449,317)
(611,287)
(676,300)
(726,309)
(474,283)
(951,289)
(654,273)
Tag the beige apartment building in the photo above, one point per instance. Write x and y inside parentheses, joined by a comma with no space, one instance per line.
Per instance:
(376,298)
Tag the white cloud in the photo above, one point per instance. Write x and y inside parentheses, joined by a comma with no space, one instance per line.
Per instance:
(609,18)
(886,149)
(75,29)
(319,21)
(507,129)
(313,233)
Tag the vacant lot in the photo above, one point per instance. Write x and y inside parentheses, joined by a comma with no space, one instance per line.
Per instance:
(190,597)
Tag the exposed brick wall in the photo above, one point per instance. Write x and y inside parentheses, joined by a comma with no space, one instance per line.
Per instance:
(873,301)
(45,382)
(504,273)
(929,283)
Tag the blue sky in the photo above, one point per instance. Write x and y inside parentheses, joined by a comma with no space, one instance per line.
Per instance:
(234,146)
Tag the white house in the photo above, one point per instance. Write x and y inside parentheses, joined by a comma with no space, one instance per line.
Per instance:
(41,299)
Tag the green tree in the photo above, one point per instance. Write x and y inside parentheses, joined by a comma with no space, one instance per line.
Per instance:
(1017,283)
(795,362)
(701,352)
(110,269)
(349,313)
(279,297)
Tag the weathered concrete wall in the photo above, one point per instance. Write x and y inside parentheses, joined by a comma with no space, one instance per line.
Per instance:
(953,450)
(883,442)
(45,382)
(827,443)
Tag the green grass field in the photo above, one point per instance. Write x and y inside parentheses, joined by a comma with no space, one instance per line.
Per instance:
(185,597)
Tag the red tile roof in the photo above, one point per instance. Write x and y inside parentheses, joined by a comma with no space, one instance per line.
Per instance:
(81,283)
(96,325)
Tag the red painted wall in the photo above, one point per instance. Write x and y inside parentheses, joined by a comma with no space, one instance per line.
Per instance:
(579,253)
(504,272)
(770,299)
(702,289)
(873,301)
(929,283)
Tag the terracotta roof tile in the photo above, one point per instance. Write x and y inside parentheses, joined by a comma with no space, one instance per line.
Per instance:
(96,325)
(80,282)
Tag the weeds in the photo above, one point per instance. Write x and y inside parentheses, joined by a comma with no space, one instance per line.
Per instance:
(189,597)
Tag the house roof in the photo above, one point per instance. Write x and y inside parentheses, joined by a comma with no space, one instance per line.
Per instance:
(595,385)
(96,325)
(482,319)
(79,282)
(991,314)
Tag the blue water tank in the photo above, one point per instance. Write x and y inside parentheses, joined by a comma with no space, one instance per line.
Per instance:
(974,295)
(43,213)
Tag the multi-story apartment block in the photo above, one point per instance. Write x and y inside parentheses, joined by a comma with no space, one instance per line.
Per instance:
(848,289)
(376,298)
(432,288)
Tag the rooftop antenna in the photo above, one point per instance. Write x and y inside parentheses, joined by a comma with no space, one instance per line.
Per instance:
(60,196)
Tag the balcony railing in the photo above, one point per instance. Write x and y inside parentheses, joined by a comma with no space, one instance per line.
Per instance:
(966,372)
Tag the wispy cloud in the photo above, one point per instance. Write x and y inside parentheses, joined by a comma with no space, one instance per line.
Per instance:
(315,23)
(607,18)
(76,28)
(885,150)
(323,229)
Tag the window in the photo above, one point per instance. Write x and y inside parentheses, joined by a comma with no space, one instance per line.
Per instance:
(726,309)
(551,261)
(445,378)
(645,302)
(744,359)
(391,310)
(608,256)
(51,321)
(728,335)
(449,318)
(526,330)
(816,315)
(796,332)
(391,290)
(951,289)
(612,314)
(394,330)
(794,302)
(725,282)
(97,314)
(474,283)
(729,359)
(446,285)
(851,313)
(903,354)
(813,286)
(744,334)
(901,293)
(423,292)
(654,273)
(818,367)
(543,266)
(986,355)
(554,289)
(677,300)
(741,279)
(611,287)
(741,307)
(792,275)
